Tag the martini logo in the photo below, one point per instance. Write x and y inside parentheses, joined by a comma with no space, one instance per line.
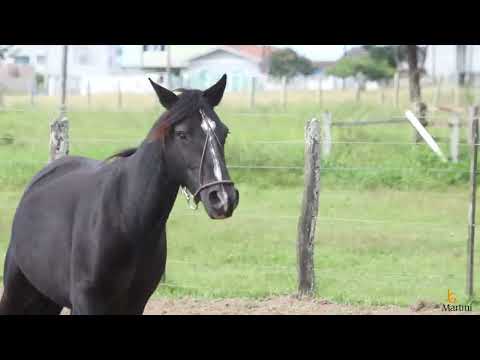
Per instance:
(452,299)
(452,303)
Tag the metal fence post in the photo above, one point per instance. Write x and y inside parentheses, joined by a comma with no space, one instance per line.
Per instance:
(284,92)
(473,202)
(252,93)
(120,100)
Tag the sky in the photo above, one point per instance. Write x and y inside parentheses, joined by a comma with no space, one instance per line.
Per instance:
(319,52)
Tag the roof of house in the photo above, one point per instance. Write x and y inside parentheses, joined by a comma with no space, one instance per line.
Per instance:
(256,53)
(356,51)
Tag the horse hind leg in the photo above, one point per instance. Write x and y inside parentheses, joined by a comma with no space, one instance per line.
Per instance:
(20,297)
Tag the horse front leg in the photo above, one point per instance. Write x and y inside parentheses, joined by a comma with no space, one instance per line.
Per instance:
(98,300)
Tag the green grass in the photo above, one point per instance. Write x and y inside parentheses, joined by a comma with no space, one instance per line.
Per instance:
(391,230)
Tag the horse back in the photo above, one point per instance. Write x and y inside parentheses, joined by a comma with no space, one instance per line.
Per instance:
(59,168)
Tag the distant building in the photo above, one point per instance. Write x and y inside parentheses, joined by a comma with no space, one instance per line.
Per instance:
(16,78)
(454,62)
(84,61)
(108,68)
(154,60)
(240,62)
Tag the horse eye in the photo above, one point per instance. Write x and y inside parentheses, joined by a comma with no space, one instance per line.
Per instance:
(182,135)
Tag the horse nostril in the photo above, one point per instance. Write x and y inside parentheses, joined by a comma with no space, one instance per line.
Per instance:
(214,199)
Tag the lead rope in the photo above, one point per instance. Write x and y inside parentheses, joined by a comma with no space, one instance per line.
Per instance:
(191,204)
(188,195)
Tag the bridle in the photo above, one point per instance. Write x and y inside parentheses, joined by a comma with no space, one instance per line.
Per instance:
(186,192)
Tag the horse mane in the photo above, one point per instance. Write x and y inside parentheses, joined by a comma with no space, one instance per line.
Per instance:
(189,101)
(123,153)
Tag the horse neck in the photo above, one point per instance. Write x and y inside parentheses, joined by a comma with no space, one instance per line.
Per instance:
(149,194)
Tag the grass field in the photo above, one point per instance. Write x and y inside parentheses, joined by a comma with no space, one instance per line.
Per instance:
(393,218)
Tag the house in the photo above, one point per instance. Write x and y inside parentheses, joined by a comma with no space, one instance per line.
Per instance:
(84,61)
(454,63)
(154,60)
(241,63)
(16,78)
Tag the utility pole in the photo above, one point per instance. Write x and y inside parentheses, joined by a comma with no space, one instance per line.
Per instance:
(63,105)
(461,63)
(434,74)
(169,80)
(344,54)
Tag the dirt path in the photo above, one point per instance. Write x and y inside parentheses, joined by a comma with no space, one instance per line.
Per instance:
(286,305)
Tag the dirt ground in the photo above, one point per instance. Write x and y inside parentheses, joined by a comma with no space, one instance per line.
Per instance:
(285,305)
(281,305)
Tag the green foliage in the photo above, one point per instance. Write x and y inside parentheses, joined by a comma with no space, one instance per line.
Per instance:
(287,62)
(4,49)
(373,68)
(392,54)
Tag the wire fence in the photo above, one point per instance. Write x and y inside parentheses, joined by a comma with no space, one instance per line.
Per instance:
(324,271)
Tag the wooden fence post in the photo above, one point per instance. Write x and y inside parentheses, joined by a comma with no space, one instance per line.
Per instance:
(326,134)
(454,136)
(456,95)
(436,94)
(120,100)
(32,92)
(59,141)
(397,88)
(284,92)
(358,91)
(308,217)
(473,194)
(252,93)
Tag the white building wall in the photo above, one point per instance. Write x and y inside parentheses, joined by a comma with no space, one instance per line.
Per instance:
(441,60)
(214,65)
(131,55)
(84,62)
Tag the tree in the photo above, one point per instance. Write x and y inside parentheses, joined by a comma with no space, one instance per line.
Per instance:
(388,53)
(414,73)
(4,50)
(288,63)
(374,69)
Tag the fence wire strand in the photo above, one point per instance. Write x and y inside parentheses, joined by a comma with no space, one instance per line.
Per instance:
(326,272)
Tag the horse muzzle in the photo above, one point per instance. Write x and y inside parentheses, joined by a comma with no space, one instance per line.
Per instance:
(220,200)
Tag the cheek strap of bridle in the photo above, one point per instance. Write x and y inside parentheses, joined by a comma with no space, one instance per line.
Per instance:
(195,197)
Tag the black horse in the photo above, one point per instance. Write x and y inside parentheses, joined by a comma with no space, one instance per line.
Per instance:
(89,235)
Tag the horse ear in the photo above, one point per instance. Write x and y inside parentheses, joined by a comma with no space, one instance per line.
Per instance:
(214,94)
(166,97)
